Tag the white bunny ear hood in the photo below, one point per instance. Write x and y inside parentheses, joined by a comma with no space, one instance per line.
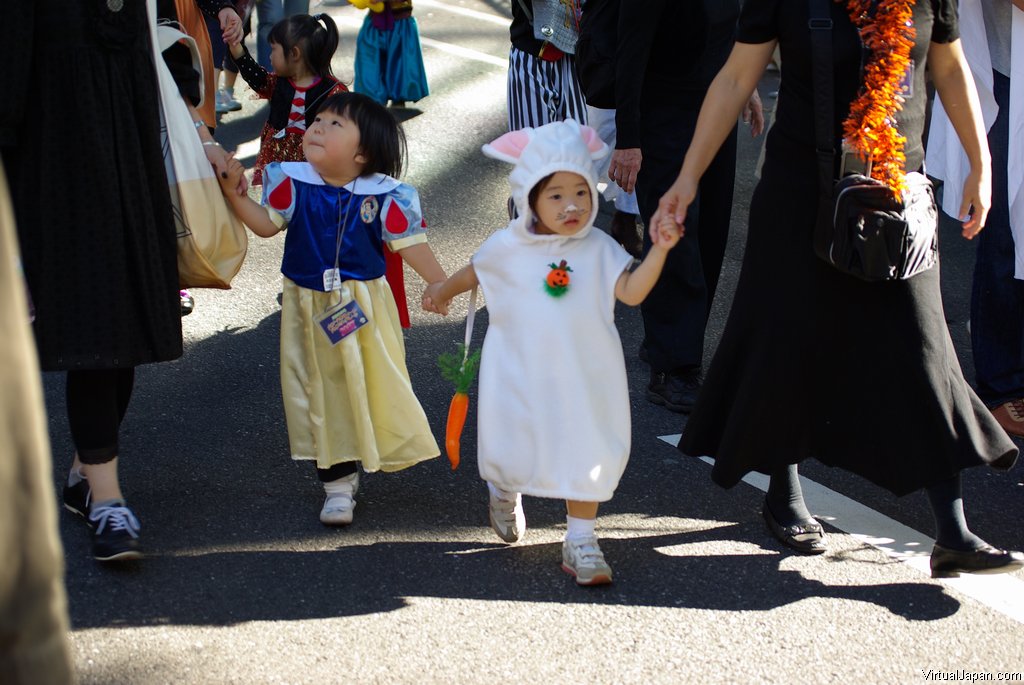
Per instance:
(540,152)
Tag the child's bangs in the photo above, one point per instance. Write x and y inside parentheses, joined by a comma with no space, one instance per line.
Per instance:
(279,34)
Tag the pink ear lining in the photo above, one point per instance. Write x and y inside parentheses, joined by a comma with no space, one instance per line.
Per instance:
(594,143)
(508,147)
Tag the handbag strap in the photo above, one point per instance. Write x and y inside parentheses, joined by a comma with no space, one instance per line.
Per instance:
(820,25)
(527,11)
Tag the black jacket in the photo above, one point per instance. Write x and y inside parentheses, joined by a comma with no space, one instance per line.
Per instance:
(595,52)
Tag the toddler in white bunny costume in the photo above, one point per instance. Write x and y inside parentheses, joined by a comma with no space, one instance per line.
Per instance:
(554,403)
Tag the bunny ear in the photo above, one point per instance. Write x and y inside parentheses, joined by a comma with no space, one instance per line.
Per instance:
(508,147)
(597,147)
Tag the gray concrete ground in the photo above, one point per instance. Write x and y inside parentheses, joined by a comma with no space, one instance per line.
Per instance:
(243,585)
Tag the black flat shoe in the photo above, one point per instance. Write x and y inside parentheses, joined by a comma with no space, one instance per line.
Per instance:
(950,563)
(806,537)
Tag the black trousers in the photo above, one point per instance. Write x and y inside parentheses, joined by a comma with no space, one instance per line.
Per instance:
(675,314)
(97,400)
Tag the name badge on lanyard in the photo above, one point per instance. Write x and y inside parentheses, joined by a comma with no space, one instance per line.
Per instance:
(343,319)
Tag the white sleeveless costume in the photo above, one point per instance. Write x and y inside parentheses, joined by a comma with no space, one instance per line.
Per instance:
(554,403)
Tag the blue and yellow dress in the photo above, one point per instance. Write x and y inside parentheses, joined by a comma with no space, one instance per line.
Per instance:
(352,401)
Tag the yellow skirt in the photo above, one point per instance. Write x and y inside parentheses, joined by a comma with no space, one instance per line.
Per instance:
(352,401)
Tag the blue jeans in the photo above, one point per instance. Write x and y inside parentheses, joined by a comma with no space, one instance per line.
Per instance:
(268,13)
(997,298)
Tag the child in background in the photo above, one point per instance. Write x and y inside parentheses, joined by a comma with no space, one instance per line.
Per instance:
(389,62)
(554,404)
(301,50)
(347,394)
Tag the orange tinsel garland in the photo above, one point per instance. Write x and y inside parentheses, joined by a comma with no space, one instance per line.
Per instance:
(870,129)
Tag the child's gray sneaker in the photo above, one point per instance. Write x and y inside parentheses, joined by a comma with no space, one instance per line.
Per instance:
(583,559)
(507,517)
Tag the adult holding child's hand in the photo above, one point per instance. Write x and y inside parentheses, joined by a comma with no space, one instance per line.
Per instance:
(230,25)
(815,362)
(100,252)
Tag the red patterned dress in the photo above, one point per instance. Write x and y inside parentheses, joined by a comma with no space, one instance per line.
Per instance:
(291,110)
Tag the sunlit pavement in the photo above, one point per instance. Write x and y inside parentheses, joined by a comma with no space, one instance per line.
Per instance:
(242,584)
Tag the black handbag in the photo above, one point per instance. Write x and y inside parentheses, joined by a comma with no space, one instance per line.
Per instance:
(862,229)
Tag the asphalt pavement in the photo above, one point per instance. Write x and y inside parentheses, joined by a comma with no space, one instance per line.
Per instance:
(242,584)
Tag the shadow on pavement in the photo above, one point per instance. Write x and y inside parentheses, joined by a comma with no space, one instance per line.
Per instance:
(233,587)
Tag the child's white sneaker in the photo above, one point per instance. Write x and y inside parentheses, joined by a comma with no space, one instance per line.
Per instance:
(582,558)
(339,503)
(506,515)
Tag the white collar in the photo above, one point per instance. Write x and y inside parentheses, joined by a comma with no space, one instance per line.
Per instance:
(373,184)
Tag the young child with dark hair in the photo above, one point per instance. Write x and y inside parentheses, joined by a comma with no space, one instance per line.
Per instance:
(554,404)
(347,394)
(301,51)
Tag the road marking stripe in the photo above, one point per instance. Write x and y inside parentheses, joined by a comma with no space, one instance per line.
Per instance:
(1003,593)
(465,52)
(482,16)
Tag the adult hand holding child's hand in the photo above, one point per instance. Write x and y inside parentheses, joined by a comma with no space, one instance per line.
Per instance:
(232,178)
(665,233)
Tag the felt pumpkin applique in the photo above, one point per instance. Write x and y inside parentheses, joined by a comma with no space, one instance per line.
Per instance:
(557,282)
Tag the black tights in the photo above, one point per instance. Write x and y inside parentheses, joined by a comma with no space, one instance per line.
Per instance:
(97,400)
(345,468)
(786,501)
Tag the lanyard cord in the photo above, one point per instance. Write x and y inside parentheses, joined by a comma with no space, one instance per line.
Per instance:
(342,225)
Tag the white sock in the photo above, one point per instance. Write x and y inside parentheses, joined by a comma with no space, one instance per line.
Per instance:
(341,486)
(503,495)
(75,476)
(579,529)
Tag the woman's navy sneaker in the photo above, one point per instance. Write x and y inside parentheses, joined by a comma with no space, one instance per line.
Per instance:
(115,535)
(77,498)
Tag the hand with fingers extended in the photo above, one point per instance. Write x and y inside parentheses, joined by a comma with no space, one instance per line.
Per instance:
(753,114)
(624,167)
(976,203)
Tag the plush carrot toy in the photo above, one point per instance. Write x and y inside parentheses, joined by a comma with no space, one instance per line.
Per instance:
(460,368)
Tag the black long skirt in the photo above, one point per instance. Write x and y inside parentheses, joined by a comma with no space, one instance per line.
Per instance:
(816,364)
(89,188)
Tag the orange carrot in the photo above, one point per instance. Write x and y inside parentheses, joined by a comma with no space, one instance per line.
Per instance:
(460,369)
(457,411)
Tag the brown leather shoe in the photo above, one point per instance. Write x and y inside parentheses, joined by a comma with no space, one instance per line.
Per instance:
(1010,416)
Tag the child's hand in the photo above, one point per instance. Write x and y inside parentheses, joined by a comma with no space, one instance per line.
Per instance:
(432,301)
(665,233)
(230,25)
(233,177)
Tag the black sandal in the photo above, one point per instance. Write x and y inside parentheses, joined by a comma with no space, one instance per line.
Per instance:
(806,537)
